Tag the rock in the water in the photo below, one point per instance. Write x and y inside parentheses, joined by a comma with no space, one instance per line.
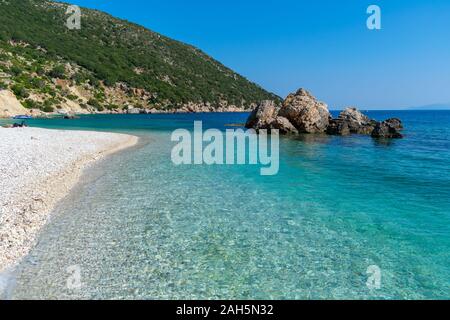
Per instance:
(283,125)
(70,116)
(302,113)
(337,127)
(262,116)
(395,123)
(133,111)
(388,129)
(306,113)
(357,122)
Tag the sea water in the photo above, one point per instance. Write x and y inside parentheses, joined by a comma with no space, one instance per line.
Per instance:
(139,227)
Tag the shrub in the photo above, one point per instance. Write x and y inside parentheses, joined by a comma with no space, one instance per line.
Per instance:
(15,70)
(52,92)
(31,104)
(100,96)
(48,109)
(58,72)
(37,83)
(40,71)
(112,107)
(94,103)
(94,82)
(20,91)
(79,78)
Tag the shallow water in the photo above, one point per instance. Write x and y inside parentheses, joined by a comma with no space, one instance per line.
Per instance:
(139,227)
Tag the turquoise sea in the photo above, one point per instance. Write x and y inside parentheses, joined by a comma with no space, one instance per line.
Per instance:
(138,227)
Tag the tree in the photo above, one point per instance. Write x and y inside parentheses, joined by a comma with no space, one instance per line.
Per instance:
(20,91)
(58,72)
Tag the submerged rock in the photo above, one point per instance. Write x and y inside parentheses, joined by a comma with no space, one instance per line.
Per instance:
(306,113)
(389,129)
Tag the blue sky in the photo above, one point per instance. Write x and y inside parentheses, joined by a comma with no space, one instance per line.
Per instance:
(321,45)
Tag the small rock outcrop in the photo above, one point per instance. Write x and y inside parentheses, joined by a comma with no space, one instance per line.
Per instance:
(338,127)
(70,116)
(306,113)
(262,116)
(132,110)
(284,126)
(388,129)
(302,113)
(357,122)
(351,120)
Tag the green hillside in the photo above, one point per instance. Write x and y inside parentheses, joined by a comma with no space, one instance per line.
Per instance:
(107,51)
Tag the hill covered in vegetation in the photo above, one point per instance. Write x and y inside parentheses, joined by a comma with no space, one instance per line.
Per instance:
(108,65)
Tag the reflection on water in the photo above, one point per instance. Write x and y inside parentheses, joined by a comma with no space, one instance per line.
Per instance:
(313,138)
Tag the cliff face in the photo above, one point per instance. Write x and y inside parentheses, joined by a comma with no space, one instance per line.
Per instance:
(9,105)
(109,65)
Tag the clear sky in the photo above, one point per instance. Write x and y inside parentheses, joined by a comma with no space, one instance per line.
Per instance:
(321,45)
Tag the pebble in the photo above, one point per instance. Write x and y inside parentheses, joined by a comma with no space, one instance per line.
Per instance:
(38,167)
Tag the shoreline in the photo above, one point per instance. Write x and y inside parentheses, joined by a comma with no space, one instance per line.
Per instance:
(54,163)
(62,115)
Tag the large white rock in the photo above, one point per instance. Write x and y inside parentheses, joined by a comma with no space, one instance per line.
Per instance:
(262,116)
(306,113)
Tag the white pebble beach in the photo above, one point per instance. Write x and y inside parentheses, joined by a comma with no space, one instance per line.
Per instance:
(39,167)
